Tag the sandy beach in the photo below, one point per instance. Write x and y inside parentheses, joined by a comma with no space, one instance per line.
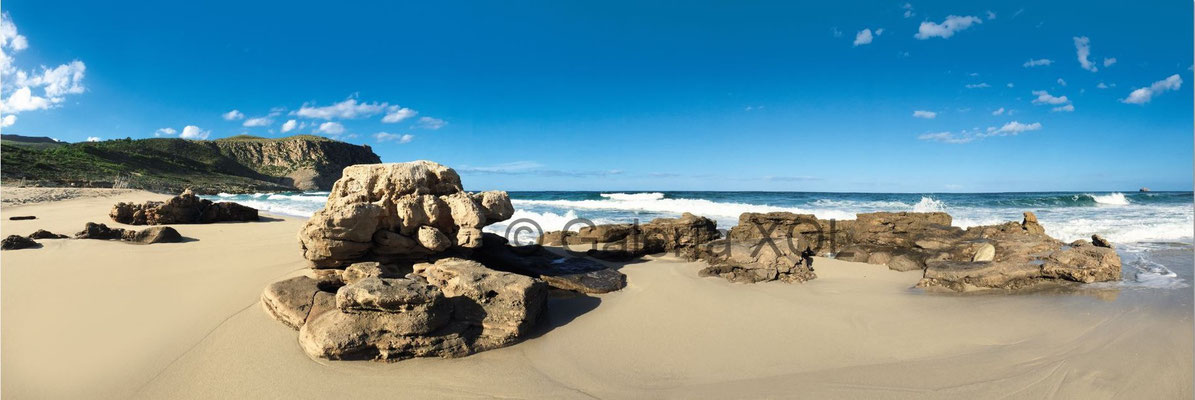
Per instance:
(100,319)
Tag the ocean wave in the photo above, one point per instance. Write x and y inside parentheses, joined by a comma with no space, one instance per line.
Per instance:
(288,209)
(702,207)
(546,222)
(299,197)
(633,196)
(1110,198)
(928,204)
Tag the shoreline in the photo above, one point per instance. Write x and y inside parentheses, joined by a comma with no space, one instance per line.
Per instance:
(170,320)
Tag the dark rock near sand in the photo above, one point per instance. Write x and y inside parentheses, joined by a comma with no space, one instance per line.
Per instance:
(567,273)
(100,231)
(14,242)
(186,208)
(289,301)
(593,282)
(156,234)
(626,241)
(44,234)
(21,218)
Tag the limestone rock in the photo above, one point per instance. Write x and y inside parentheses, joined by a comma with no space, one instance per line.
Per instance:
(14,242)
(594,282)
(985,253)
(156,234)
(100,231)
(753,261)
(904,263)
(1100,241)
(618,241)
(289,301)
(504,304)
(186,208)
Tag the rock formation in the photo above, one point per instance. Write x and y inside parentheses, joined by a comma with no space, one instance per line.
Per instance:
(301,162)
(578,274)
(44,234)
(1006,256)
(625,241)
(751,261)
(388,281)
(151,235)
(186,208)
(15,242)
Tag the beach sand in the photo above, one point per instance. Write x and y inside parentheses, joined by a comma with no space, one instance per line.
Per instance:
(97,319)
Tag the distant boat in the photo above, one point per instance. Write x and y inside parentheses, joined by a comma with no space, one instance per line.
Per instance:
(1144,189)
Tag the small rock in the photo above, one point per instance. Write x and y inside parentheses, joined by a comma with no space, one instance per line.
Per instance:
(1100,241)
(100,231)
(44,234)
(156,234)
(21,217)
(593,282)
(15,242)
(904,263)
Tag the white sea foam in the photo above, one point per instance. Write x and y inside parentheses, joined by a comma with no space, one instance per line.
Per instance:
(633,196)
(928,204)
(706,208)
(1112,199)
(521,222)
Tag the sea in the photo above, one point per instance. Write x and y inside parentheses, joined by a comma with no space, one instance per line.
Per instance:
(1152,231)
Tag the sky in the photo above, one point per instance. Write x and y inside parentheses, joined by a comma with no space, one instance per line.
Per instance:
(877,96)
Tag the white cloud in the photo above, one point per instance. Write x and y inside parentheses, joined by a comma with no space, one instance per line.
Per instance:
(1061,82)
(1038,62)
(1108,61)
(331,128)
(836,32)
(978,85)
(436,123)
(924,114)
(908,10)
(165,132)
(260,121)
(393,137)
(348,109)
(1103,86)
(93,139)
(879,31)
(1009,84)
(1013,128)
(947,137)
(53,84)
(998,111)
(23,99)
(1044,97)
(863,37)
(396,114)
(8,120)
(233,115)
(947,28)
(289,126)
(1066,108)
(193,132)
(1083,50)
(991,15)
(1145,94)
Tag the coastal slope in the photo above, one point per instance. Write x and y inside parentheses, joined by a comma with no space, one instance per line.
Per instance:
(99,319)
(236,164)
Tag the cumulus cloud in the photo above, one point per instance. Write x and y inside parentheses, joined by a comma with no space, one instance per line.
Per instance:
(289,126)
(908,10)
(1044,97)
(8,120)
(863,37)
(396,114)
(233,115)
(432,123)
(999,111)
(348,109)
(393,137)
(331,128)
(1083,51)
(1108,61)
(93,139)
(52,85)
(165,132)
(1013,128)
(1102,85)
(924,114)
(991,15)
(947,28)
(1040,62)
(1061,82)
(1066,108)
(1145,94)
(978,85)
(259,121)
(193,132)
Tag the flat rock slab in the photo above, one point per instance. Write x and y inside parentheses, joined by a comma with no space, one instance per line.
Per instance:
(290,300)
(594,282)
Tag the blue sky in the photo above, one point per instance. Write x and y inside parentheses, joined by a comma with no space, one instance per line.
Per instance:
(640,95)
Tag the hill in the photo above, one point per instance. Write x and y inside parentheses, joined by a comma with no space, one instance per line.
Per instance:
(236,164)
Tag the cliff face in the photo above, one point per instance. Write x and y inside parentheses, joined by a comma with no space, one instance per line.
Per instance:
(235,165)
(305,163)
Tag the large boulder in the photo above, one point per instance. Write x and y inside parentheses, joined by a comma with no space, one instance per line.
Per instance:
(450,308)
(186,208)
(399,212)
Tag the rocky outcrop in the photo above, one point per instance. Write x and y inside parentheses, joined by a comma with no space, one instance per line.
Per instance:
(302,162)
(186,208)
(44,234)
(399,212)
(624,241)
(387,281)
(151,235)
(15,242)
(751,261)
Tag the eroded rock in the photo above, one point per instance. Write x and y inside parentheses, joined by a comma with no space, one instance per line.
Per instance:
(186,208)
(15,242)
